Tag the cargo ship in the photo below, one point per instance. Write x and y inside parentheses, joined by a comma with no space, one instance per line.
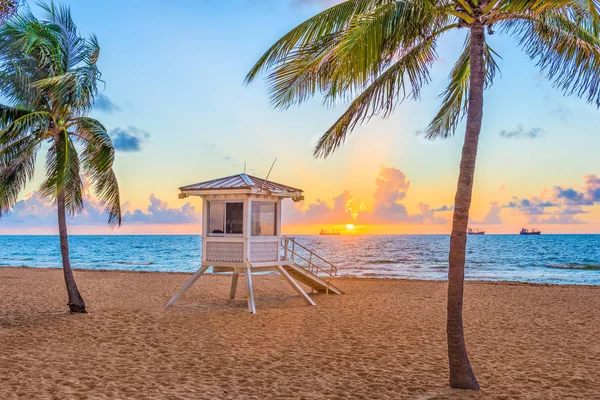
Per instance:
(326,233)
(472,231)
(530,232)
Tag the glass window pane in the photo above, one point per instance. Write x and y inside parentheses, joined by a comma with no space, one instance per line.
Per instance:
(264,218)
(234,218)
(216,213)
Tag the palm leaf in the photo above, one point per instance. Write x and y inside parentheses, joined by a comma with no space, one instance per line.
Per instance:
(565,49)
(326,23)
(455,98)
(9,114)
(63,173)
(17,166)
(97,160)
(25,124)
(381,97)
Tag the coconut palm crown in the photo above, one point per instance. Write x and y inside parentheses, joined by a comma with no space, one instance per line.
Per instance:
(48,78)
(376,53)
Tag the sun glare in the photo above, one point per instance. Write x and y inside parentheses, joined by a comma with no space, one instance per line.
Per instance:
(350,227)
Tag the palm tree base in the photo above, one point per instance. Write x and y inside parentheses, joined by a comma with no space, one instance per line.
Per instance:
(77,309)
(467,383)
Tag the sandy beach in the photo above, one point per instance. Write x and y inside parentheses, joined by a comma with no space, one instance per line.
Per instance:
(382,339)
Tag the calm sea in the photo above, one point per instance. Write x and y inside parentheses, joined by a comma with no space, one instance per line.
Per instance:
(562,259)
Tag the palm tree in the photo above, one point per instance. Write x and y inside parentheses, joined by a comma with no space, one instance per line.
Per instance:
(377,53)
(8,8)
(48,75)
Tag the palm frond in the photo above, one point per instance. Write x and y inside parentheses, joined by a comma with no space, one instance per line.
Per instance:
(37,121)
(456,96)
(375,41)
(45,61)
(381,97)
(9,114)
(71,46)
(342,64)
(565,48)
(301,75)
(326,23)
(17,166)
(63,173)
(97,160)
(8,8)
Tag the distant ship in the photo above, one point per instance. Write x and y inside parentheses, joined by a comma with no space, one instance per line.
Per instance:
(470,231)
(333,232)
(530,232)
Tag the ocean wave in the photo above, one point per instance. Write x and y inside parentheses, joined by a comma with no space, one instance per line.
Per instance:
(134,262)
(376,262)
(587,267)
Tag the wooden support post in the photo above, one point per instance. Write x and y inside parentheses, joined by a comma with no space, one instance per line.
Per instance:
(186,286)
(295,285)
(234,282)
(251,305)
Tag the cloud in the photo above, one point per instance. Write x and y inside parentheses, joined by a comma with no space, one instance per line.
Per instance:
(533,206)
(322,213)
(105,104)
(159,212)
(592,187)
(589,195)
(36,211)
(521,133)
(130,139)
(572,196)
(427,216)
(562,111)
(563,205)
(444,208)
(492,217)
(391,187)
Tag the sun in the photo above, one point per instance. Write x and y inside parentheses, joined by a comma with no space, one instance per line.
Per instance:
(350,227)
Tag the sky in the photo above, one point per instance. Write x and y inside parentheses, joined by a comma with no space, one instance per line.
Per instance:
(176,106)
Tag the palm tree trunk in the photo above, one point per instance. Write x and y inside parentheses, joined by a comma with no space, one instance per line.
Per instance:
(461,374)
(76,303)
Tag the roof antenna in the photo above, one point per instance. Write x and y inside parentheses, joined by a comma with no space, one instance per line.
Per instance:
(270,169)
(244,166)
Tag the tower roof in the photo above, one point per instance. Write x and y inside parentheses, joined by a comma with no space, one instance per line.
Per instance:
(243,183)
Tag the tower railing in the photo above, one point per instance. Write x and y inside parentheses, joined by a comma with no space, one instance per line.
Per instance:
(307,259)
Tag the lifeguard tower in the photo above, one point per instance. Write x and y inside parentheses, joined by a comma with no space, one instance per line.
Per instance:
(241,234)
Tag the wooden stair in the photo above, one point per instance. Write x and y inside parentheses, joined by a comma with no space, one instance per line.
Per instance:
(310,279)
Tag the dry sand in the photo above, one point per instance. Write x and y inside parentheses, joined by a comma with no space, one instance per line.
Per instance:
(383,339)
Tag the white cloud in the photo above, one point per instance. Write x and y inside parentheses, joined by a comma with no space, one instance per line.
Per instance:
(391,188)
(35,211)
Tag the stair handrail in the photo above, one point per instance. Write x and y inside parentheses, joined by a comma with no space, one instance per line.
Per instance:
(285,240)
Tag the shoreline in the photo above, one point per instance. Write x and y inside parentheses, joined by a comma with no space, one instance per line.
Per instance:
(339,278)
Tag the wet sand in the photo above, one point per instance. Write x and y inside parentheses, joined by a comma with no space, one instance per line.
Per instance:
(382,339)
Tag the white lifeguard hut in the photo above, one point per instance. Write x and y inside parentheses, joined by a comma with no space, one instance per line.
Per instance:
(241,233)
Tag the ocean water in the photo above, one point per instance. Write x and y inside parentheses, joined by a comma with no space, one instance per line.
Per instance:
(557,259)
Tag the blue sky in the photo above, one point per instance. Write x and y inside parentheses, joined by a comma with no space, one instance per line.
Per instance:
(174,76)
